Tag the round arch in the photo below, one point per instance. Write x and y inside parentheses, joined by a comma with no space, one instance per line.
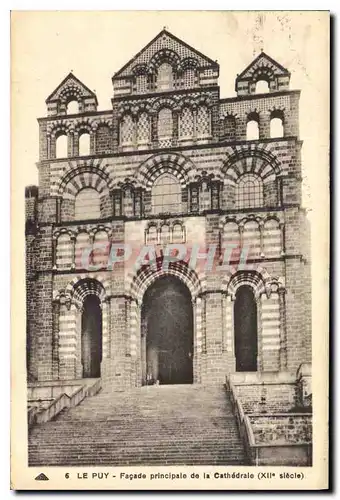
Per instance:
(180,166)
(137,284)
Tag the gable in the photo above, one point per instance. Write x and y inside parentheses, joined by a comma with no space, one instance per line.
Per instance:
(169,44)
(71,85)
(265,63)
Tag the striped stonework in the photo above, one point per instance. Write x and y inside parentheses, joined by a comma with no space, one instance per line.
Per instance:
(270,335)
(64,251)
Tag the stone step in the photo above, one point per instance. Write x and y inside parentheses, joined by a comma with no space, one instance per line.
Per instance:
(164,425)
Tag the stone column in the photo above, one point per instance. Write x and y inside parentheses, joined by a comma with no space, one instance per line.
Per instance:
(261,227)
(58,210)
(154,130)
(175,119)
(224,325)
(55,340)
(92,142)
(260,354)
(75,145)
(54,252)
(48,139)
(283,334)
(143,349)
(194,122)
(282,238)
(73,243)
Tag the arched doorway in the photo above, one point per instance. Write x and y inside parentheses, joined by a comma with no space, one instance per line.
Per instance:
(167,333)
(245,325)
(91,337)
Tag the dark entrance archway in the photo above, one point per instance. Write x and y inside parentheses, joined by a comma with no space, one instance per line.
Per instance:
(245,324)
(91,337)
(167,333)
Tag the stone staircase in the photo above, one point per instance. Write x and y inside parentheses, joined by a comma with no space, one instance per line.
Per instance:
(155,425)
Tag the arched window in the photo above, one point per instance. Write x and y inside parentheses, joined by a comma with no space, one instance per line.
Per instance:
(189,78)
(276,126)
(262,87)
(72,107)
(87,204)
(177,234)
(249,192)
(166,195)
(203,122)
(253,127)
(84,144)
(165,124)
(165,77)
(186,124)
(245,328)
(152,236)
(127,133)
(165,234)
(61,145)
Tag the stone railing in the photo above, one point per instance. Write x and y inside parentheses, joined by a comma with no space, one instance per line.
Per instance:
(242,419)
(75,395)
(273,439)
(282,428)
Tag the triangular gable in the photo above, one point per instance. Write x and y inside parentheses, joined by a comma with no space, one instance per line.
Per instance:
(165,40)
(71,81)
(263,61)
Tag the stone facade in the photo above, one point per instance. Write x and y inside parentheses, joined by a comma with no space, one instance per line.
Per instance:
(235,173)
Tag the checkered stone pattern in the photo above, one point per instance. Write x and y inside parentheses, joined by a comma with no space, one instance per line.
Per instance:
(141,84)
(203,122)
(189,79)
(127,130)
(186,124)
(143,129)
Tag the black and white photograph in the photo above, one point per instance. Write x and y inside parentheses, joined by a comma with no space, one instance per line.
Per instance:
(170,186)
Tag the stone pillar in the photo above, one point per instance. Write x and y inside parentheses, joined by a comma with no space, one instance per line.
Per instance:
(55,340)
(75,146)
(48,138)
(224,323)
(260,354)
(58,210)
(54,252)
(175,118)
(143,349)
(282,238)
(154,130)
(283,334)
(73,257)
(264,125)
(92,142)
(261,227)
(194,123)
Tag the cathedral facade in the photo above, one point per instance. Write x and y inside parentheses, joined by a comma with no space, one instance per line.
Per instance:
(166,242)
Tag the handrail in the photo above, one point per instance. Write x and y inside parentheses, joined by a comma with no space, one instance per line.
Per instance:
(252,448)
(61,402)
(243,422)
